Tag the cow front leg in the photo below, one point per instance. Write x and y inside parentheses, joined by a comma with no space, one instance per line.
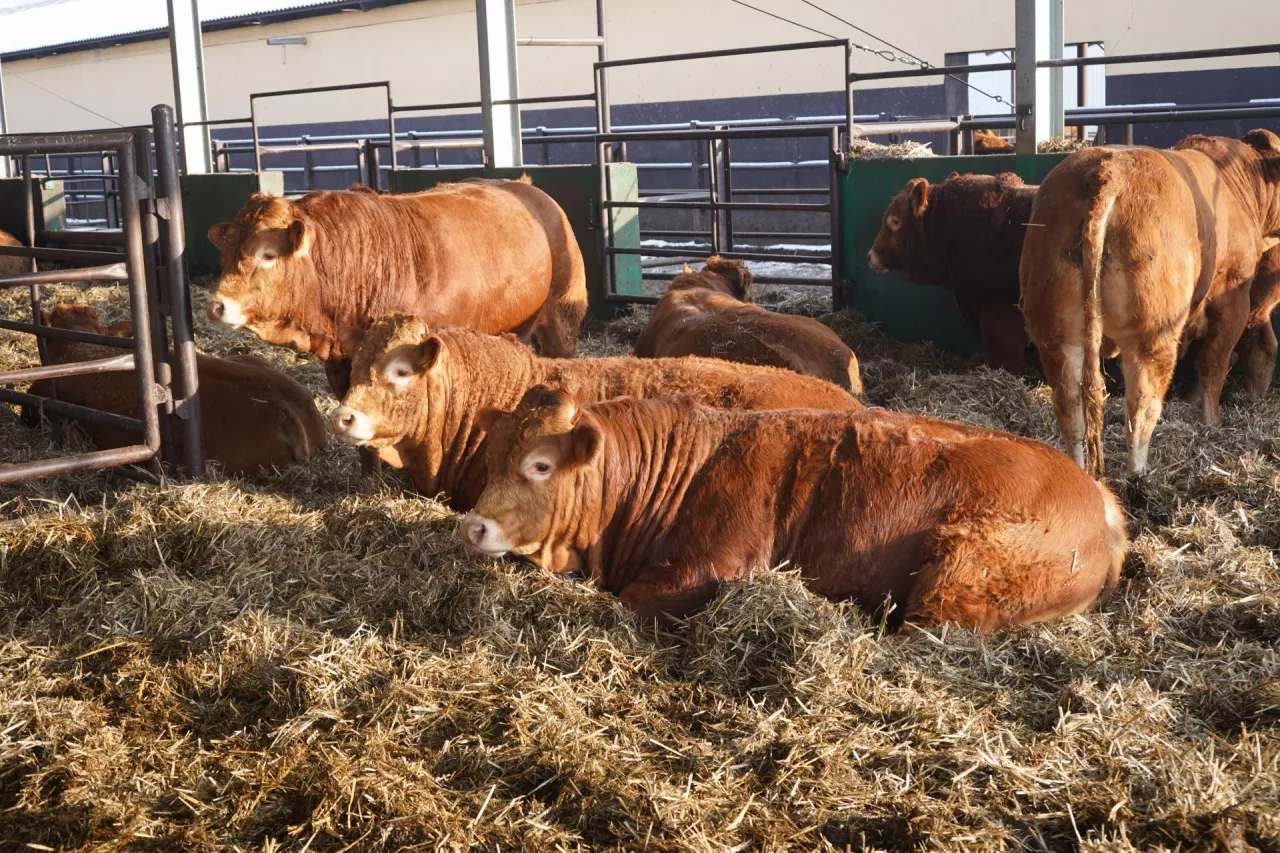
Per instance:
(1004,338)
(1225,321)
(656,600)
(1147,372)
(1257,351)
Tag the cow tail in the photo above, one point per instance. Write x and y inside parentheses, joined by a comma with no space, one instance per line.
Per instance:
(1092,389)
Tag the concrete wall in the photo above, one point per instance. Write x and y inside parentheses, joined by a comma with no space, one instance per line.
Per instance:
(428,51)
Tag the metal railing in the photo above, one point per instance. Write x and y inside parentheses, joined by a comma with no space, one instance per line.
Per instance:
(150,262)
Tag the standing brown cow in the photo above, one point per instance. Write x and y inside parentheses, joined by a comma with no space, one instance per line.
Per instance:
(496,256)
(661,501)
(415,392)
(709,313)
(252,415)
(1130,244)
(964,235)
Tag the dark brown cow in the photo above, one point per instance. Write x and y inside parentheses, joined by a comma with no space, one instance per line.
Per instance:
(964,235)
(414,394)
(709,313)
(1257,347)
(1130,244)
(253,416)
(496,256)
(661,501)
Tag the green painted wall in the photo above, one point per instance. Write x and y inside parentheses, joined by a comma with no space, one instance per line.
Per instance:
(13,206)
(210,199)
(904,310)
(576,190)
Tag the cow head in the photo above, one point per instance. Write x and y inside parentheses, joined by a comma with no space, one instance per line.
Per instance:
(901,237)
(537,459)
(1267,144)
(395,365)
(267,270)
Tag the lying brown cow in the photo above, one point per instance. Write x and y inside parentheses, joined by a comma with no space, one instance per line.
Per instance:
(496,256)
(986,142)
(709,313)
(661,501)
(253,416)
(11,264)
(1130,244)
(964,235)
(414,394)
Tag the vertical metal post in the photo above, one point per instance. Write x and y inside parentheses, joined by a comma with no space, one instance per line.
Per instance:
(149,227)
(173,251)
(308,165)
(1128,134)
(186,49)
(603,121)
(1057,112)
(848,93)
(835,160)
(138,294)
(713,193)
(4,128)
(257,142)
(391,134)
(496,27)
(1033,98)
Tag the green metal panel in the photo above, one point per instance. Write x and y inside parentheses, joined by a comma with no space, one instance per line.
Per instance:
(50,204)
(576,190)
(210,199)
(904,310)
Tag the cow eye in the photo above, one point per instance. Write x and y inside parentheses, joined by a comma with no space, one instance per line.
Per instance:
(401,372)
(542,467)
(538,470)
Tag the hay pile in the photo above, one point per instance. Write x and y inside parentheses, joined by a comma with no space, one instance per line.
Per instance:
(861,148)
(1062,144)
(284,663)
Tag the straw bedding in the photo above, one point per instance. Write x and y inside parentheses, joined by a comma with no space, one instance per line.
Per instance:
(290,662)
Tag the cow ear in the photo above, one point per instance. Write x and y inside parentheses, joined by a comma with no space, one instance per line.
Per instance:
(44,318)
(350,338)
(220,236)
(953,175)
(688,270)
(430,354)
(919,195)
(488,417)
(300,237)
(585,444)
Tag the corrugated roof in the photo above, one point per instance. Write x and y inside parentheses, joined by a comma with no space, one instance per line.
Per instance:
(37,25)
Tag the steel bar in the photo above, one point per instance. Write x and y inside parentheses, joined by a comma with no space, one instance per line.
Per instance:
(713,54)
(758,279)
(62,143)
(1079,119)
(544,99)
(1166,56)
(110,272)
(79,462)
(58,371)
(64,256)
(186,51)
(777,257)
(931,71)
(67,334)
(724,205)
(839,297)
(173,258)
(138,295)
(149,225)
(72,410)
(294,149)
(591,41)
(82,238)
(887,127)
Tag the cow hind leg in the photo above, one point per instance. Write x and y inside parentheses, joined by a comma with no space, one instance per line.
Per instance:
(1062,368)
(1147,373)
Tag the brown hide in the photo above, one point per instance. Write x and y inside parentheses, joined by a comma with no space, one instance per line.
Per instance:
(697,316)
(1132,243)
(1257,347)
(496,256)
(9,264)
(661,501)
(964,235)
(253,416)
(987,142)
(414,394)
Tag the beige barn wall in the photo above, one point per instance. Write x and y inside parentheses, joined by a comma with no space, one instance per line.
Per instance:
(428,51)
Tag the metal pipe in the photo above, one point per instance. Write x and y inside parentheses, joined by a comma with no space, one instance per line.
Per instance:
(725,205)
(777,257)
(931,71)
(1165,56)
(595,41)
(67,256)
(67,334)
(186,402)
(138,295)
(79,462)
(110,272)
(59,371)
(82,238)
(712,54)
(838,295)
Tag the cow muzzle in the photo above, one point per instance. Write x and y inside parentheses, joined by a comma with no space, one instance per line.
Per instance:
(223,309)
(873,261)
(350,426)
(483,535)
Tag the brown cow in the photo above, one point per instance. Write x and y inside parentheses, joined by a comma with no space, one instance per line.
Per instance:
(496,256)
(1130,244)
(660,501)
(11,264)
(708,313)
(964,235)
(1257,347)
(415,392)
(253,416)
(987,142)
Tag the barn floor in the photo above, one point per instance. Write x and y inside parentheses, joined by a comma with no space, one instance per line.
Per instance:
(288,663)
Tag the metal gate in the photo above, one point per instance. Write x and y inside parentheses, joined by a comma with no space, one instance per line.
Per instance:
(149,259)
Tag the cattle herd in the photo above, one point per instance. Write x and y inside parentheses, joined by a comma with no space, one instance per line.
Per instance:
(734,439)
